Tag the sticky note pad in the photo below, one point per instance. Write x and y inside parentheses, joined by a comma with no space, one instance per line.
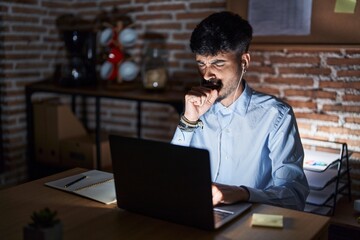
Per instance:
(267,220)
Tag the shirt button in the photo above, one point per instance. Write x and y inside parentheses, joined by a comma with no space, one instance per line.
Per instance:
(179,139)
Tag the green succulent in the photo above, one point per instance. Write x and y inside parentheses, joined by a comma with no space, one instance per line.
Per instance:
(44,218)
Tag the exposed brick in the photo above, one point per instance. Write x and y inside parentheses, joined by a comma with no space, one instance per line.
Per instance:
(339,84)
(175,46)
(57,4)
(154,36)
(314,137)
(29,10)
(252,79)
(339,130)
(268,90)
(163,26)
(3,8)
(33,2)
(261,69)
(22,74)
(290,81)
(31,29)
(18,56)
(148,1)
(7,66)
(206,5)
(348,73)
(352,51)
(343,61)
(313,49)
(183,55)
(21,19)
(355,120)
(313,94)
(191,26)
(31,65)
(329,150)
(30,46)
(302,104)
(167,7)
(147,17)
(289,60)
(13,93)
(341,108)
(257,58)
(305,70)
(21,38)
(82,5)
(304,126)
(191,66)
(317,116)
(194,15)
(351,142)
(181,36)
(352,97)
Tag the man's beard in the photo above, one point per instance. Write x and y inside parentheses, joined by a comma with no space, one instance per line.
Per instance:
(227,91)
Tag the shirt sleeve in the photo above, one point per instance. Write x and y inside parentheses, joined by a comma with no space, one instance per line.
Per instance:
(290,187)
(182,138)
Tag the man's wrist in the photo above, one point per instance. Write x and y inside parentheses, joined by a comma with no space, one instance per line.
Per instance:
(187,125)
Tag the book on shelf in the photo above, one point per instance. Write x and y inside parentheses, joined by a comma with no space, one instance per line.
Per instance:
(94,184)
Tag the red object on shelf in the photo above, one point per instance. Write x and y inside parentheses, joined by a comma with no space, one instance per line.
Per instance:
(115,55)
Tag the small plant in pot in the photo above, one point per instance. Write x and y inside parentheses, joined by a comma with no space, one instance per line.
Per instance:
(44,226)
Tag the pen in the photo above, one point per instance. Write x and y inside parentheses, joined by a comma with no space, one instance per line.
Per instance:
(75,181)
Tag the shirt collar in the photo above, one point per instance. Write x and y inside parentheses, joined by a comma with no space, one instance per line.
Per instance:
(240,105)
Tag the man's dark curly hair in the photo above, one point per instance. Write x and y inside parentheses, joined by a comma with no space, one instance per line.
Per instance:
(221,32)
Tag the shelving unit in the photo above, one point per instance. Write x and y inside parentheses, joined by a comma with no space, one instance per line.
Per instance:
(328,175)
(139,95)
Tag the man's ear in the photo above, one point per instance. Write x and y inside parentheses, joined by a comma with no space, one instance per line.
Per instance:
(245,60)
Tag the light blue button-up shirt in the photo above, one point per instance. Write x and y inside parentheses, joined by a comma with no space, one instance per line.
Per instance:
(254,143)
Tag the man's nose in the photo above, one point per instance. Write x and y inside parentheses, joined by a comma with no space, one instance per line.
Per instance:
(208,74)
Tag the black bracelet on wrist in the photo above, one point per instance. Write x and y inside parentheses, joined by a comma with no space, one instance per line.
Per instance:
(189,126)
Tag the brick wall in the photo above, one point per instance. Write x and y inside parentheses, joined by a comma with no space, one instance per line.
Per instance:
(322,83)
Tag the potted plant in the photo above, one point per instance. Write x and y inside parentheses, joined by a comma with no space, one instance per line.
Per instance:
(44,226)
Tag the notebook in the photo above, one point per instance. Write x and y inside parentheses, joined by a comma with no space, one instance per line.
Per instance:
(167,181)
(94,184)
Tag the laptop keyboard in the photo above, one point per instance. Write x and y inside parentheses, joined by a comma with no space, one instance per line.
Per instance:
(220,215)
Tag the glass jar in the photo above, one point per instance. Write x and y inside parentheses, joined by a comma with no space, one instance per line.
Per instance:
(154,74)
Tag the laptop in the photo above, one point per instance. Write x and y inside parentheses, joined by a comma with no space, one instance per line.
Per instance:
(169,182)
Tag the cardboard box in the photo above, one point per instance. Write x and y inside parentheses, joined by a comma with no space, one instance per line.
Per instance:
(81,152)
(53,122)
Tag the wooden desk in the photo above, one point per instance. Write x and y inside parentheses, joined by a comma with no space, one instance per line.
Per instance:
(87,219)
(344,224)
(171,97)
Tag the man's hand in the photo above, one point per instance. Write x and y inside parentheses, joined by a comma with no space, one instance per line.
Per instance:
(228,194)
(198,101)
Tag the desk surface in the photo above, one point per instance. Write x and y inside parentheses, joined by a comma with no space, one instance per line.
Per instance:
(87,219)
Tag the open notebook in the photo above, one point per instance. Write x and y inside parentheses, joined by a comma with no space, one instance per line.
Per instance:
(94,184)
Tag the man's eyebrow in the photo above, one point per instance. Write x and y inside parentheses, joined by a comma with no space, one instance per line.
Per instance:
(216,61)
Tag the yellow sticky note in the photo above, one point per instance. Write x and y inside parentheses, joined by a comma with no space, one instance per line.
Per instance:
(267,220)
(345,6)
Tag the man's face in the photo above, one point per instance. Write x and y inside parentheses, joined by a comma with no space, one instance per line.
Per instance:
(225,67)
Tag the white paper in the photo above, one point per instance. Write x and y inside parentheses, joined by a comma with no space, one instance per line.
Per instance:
(280,17)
